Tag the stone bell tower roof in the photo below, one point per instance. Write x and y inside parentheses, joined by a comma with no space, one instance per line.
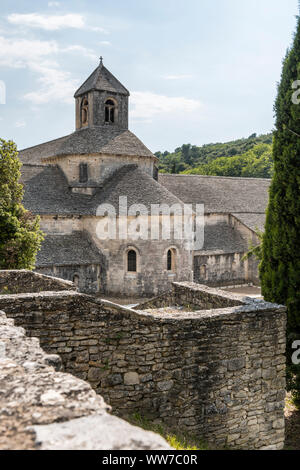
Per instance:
(102,80)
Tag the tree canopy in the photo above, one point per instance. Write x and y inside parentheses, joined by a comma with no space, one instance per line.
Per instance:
(20,234)
(250,157)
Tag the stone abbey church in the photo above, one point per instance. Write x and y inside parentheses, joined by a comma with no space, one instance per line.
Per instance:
(67,179)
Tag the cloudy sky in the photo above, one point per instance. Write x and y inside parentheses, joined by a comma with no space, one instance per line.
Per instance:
(199,71)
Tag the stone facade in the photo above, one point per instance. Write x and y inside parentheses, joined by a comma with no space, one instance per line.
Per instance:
(198,359)
(66,180)
(100,168)
(225,269)
(88,278)
(111,276)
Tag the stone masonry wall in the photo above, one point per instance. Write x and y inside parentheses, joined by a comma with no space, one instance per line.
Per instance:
(219,374)
(191,295)
(225,269)
(89,276)
(23,281)
(42,408)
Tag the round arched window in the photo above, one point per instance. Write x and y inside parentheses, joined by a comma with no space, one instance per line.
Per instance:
(171,260)
(131,261)
(110,111)
(84,111)
(76,280)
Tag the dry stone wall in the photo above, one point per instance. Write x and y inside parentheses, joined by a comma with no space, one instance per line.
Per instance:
(217,371)
(42,408)
(23,281)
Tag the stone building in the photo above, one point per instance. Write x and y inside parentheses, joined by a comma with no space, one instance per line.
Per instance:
(66,181)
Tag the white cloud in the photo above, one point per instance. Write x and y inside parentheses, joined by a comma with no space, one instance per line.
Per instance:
(53,4)
(52,22)
(20,123)
(105,43)
(47,22)
(177,77)
(82,50)
(21,52)
(147,105)
(56,84)
(18,52)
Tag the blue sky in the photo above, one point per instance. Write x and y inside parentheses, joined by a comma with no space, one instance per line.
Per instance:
(199,71)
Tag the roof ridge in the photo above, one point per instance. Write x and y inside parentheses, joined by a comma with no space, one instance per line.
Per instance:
(82,85)
(118,81)
(44,143)
(90,83)
(219,177)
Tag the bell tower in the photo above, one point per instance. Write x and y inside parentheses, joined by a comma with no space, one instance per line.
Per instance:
(102,101)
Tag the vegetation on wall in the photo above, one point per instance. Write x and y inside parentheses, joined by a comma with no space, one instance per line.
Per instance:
(280,266)
(250,157)
(20,234)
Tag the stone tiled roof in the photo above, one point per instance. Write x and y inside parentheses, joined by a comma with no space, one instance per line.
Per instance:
(34,155)
(102,140)
(103,80)
(222,238)
(253,221)
(47,191)
(64,250)
(220,194)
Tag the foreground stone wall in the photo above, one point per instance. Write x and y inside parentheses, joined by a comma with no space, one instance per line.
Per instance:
(219,374)
(41,408)
(193,296)
(23,281)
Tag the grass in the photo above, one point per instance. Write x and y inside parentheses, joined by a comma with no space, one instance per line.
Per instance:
(5,291)
(292,421)
(177,440)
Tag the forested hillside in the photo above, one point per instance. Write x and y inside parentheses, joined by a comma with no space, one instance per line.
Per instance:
(250,157)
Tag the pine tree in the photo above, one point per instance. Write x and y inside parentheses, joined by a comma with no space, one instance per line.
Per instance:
(20,234)
(280,266)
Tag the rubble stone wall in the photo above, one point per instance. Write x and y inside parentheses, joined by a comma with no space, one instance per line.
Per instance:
(218,373)
(23,281)
(42,408)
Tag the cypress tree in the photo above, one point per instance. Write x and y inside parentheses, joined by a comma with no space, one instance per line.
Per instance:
(280,265)
(20,234)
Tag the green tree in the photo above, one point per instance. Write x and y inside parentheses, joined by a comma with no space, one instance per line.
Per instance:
(190,157)
(255,163)
(20,234)
(280,266)
(171,163)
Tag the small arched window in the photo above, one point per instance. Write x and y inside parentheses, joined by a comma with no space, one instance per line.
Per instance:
(83,173)
(110,111)
(171,260)
(203,271)
(131,261)
(76,280)
(84,111)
